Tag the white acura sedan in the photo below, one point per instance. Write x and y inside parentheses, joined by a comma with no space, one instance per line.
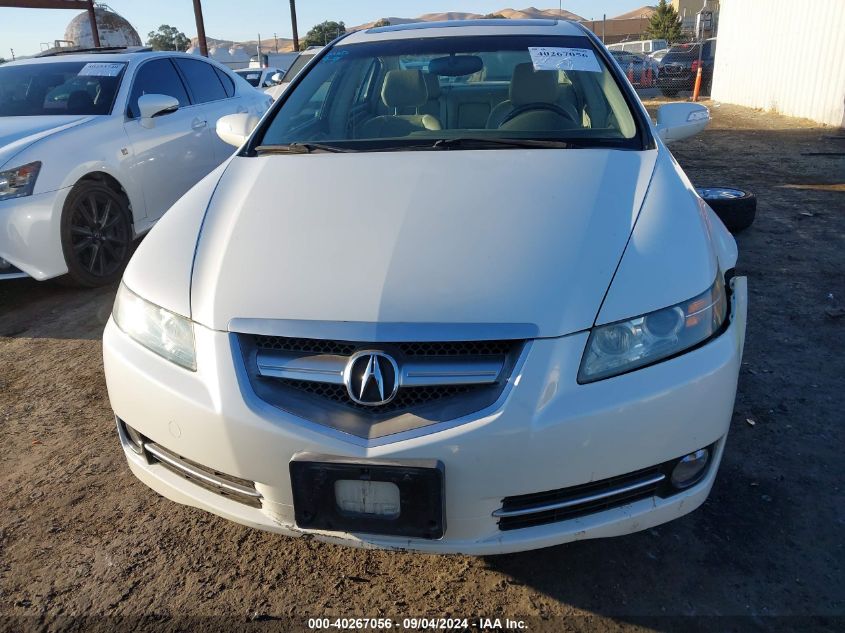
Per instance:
(491,313)
(95,147)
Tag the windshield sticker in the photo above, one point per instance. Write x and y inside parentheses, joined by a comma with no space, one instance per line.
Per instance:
(334,56)
(551,58)
(100,69)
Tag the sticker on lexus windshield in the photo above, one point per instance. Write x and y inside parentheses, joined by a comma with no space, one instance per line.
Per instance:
(100,69)
(552,58)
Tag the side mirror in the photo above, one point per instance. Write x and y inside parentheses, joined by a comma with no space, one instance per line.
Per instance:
(151,106)
(235,129)
(676,121)
(276,78)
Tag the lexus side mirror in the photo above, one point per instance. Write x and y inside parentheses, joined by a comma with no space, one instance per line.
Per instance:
(153,105)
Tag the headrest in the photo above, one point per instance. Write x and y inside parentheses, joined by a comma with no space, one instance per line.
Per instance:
(533,86)
(432,84)
(403,89)
(79,102)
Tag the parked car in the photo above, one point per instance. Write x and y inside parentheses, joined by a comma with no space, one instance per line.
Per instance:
(95,147)
(283,79)
(259,77)
(642,68)
(499,337)
(639,46)
(679,67)
(658,56)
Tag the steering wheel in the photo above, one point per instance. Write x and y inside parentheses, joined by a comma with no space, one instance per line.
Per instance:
(539,105)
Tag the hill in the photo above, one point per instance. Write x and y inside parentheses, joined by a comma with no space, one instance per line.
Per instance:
(531,13)
(644,11)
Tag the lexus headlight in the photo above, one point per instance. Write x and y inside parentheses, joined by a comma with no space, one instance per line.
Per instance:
(159,330)
(19,182)
(620,347)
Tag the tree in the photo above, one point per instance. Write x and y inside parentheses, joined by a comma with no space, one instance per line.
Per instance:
(324,33)
(382,22)
(168,38)
(664,23)
(493,16)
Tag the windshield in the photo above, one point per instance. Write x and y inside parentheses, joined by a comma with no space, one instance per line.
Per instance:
(682,52)
(413,91)
(252,76)
(75,87)
(298,64)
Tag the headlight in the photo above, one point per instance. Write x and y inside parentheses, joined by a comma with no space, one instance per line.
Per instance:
(18,182)
(159,330)
(620,347)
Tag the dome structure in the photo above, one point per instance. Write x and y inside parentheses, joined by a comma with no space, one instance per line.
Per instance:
(113,28)
(239,54)
(220,54)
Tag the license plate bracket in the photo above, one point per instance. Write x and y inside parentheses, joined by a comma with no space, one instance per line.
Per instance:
(420,484)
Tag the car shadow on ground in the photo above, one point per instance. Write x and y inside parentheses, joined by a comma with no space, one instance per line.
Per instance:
(33,309)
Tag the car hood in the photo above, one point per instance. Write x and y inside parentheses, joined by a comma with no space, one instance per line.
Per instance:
(499,237)
(19,132)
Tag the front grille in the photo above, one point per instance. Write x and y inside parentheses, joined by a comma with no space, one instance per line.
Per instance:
(303,345)
(576,501)
(406,398)
(437,381)
(416,349)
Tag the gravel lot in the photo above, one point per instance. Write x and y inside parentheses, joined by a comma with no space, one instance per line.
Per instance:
(79,536)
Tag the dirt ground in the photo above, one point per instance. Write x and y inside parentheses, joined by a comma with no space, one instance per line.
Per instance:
(79,536)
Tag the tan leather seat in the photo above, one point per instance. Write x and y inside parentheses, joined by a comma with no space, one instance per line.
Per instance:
(401,89)
(530,86)
(433,105)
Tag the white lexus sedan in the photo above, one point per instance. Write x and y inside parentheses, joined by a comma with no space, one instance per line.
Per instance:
(491,314)
(95,147)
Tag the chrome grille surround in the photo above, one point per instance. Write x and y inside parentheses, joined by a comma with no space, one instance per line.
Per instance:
(438,382)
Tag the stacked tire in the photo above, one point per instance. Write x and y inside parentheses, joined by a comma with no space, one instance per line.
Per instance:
(735,207)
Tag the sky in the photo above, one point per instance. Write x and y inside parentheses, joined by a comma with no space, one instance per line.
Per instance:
(24,29)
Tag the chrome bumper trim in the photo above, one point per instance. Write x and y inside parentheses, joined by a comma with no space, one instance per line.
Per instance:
(643,483)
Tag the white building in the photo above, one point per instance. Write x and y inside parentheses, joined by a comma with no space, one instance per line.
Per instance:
(783,56)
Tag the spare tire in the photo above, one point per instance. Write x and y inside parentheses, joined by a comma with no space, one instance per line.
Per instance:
(735,207)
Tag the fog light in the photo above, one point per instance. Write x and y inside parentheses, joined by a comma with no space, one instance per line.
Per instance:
(690,469)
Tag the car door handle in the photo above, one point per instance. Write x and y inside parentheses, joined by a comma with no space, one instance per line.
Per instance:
(198,124)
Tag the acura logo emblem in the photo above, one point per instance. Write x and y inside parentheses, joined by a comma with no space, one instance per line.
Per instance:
(371,378)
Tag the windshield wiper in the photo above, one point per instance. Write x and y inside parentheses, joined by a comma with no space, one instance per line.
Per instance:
(302,148)
(474,142)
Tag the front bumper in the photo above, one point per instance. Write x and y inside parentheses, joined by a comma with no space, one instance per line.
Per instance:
(30,235)
(548,433)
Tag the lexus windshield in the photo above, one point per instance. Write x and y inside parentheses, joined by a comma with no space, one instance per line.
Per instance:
(72,87)
(411,93)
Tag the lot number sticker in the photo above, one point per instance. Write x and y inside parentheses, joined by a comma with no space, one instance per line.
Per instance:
(550,58)
(100,69)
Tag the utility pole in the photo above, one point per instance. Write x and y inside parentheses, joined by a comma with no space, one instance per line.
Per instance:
(200,28)
(293,24)
(92,18)
(275,43)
